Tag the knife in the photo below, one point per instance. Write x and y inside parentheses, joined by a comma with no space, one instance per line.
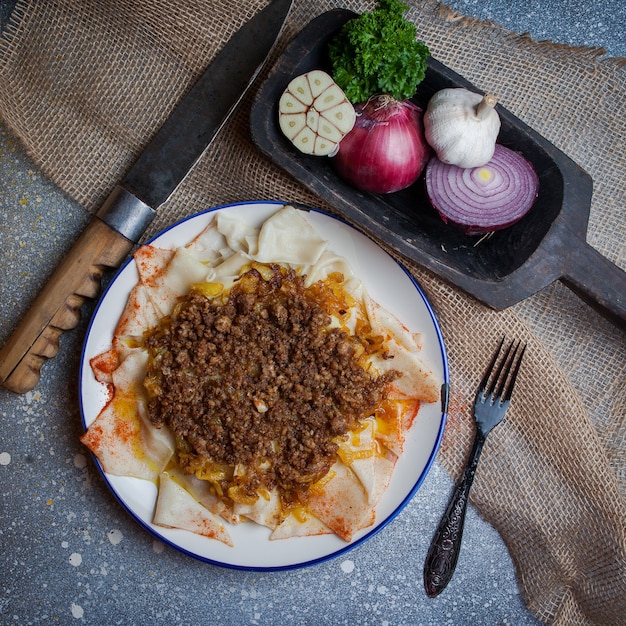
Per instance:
(132,205)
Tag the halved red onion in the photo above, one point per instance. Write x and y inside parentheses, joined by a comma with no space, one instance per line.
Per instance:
(483,199)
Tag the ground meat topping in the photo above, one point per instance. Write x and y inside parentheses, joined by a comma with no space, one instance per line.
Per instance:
(258,380)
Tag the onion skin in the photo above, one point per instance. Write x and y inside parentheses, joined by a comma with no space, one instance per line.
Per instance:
(386,150)
(483,199)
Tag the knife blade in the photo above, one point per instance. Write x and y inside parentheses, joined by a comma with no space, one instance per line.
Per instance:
(126,213)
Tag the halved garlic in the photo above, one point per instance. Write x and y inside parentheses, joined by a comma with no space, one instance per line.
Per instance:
(314,113)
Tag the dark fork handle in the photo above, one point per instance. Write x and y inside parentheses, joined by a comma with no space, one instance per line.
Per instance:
(446,544)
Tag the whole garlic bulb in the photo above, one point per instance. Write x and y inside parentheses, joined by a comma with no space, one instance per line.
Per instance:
(462,126)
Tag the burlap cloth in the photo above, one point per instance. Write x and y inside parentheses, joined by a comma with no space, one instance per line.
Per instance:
(85,84)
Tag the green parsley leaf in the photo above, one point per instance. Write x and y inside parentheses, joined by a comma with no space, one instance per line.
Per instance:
(378,52)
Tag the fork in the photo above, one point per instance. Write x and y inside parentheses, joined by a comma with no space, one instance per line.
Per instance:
(490,407)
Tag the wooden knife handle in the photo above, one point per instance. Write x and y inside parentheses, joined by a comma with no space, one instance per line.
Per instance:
(57,307)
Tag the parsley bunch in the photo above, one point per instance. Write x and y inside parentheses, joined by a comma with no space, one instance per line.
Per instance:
(378,52)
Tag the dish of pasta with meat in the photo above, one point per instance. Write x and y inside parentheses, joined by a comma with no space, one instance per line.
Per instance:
(264,375)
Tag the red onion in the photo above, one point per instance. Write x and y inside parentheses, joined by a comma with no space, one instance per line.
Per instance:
(386,150)
(483,199)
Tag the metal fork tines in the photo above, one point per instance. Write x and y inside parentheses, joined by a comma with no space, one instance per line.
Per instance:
(491,403)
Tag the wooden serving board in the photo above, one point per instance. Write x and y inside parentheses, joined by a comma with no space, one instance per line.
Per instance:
(548,244)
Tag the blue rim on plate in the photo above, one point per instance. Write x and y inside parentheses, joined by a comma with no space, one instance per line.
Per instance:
(391,284)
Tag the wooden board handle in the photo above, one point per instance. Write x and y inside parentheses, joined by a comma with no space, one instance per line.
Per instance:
(57,307)
(598,281)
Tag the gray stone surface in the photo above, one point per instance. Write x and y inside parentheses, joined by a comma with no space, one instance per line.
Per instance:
(571,22)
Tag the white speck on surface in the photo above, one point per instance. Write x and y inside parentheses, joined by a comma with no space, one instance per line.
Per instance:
(80,461)
(347,567)
(115,536)
(5,458)
(158,546)
(77,611)
(75,559)
(64,544)
(381,589)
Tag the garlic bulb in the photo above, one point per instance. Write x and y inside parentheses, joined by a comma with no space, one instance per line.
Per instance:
(462,127)
(314,113)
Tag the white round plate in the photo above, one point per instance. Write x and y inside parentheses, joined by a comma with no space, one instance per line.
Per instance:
(390,284)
